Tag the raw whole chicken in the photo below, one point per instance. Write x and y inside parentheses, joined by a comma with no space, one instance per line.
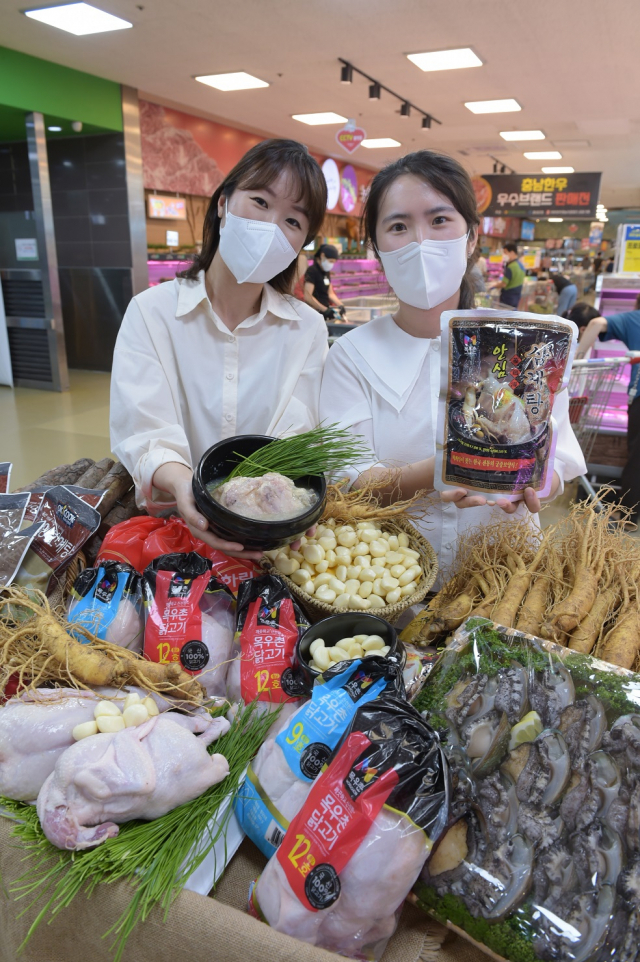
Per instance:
(127,628)
(34,733)
(217,635)
(35,729)
(269,498)
(374,885)
(141,772)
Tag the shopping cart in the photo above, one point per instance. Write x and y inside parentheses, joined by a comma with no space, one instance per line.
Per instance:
(590,388)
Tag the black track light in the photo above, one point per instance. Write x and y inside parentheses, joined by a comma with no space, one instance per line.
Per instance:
(426,123)
(503,169)
(374,91)
(405,109)
(495,167)
(346,74)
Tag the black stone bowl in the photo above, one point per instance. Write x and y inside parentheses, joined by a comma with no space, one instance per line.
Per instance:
(216,465)
(346,625)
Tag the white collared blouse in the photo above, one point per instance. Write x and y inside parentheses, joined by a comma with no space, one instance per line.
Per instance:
(183,381)
(383,384)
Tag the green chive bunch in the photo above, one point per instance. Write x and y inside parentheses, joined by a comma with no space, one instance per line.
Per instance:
(326,450)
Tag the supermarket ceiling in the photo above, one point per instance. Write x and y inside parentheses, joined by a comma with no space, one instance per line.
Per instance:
(573,67)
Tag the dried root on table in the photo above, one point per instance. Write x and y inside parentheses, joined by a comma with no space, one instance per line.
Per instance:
(35,647)
(365,504)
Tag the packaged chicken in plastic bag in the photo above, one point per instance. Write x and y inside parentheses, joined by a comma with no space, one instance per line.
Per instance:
(500,375)
(269,623)
(280,777)
(107,601)
(359,842)
(189,618)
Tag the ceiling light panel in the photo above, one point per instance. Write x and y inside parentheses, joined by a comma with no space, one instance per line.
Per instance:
(492,106)
(522,135)
(445,59)
(373,143)
(558,170)
(314,120)
(543,155)
(232,81)
(78,18)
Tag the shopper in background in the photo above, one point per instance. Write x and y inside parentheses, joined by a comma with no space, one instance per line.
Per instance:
(609,268)
(623,327)
(514,275)
(567,293)
(318,289)
(382,380)
(224,349)
(581,313)
(597,264)
(476,277)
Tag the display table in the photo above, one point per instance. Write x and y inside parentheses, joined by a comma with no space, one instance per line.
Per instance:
(217,930)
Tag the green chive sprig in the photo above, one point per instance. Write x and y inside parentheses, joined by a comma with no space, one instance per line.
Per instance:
(326,450)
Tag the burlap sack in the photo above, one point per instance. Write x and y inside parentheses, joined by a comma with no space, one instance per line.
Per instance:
(198,929)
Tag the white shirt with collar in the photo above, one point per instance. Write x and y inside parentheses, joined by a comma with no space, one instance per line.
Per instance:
(383,384)
(183,381)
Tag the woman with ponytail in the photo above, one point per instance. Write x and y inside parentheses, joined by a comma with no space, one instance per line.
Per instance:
(382,380)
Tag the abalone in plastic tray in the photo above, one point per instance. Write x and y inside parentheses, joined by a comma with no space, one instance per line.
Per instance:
(541,858)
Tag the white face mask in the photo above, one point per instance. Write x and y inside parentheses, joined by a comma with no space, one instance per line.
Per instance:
(255,251)
(326,265)
(424,275)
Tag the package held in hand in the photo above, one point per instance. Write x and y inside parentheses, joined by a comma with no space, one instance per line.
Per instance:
(189,618)
(107,601)
(500,374)
(359,842)
(279,778)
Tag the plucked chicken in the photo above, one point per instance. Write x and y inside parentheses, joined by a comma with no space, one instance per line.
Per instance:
(137,773)
(271,497)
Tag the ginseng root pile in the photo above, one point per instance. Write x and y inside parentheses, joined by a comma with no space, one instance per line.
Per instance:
(575,583)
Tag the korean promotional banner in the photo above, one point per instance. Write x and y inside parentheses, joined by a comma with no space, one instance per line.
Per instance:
(527,195)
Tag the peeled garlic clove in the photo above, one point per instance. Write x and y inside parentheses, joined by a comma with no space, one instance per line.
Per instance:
(300,577)
(367,574)
(388,582)
(365,589)
(296,554)
(345,643)
(85,730)
(322,579)
(396,570)
(410,553)
(341,573)
(347,538)
(378,549)
(336,585)
(360,548)
(309,587)
(356,651)
(313,553)
(330,522)
(393,597)
(313,647)
(286,566)
(133,698)
(331,558)
(393,558)
(337,654)
(393,542)
(135,715)
(106,708)
(403,540)
(368,535)
(361,561)
(409,589)
(375,601)
(343,556)
(360,604)
(384,651)
(342,601)
(372,642)
(328,542)
(410,575)
(351,586)
(377,588)
(151,706)
(110,723)
(322,566)
(308,567)
(322,659)
(326,594)
(379,570)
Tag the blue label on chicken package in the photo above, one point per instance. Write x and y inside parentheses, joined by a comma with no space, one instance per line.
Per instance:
(262,822)
(96,609)
(316,729)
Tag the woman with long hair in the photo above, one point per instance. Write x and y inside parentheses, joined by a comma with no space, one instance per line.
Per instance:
(382,380)
(224,349)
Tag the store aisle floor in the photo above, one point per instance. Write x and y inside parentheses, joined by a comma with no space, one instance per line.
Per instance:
(41,429)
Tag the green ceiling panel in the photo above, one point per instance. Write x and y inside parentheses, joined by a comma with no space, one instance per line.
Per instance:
(29,83)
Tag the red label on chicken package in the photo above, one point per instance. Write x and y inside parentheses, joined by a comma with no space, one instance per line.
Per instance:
(332,824)
(267,645)
(173,631)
